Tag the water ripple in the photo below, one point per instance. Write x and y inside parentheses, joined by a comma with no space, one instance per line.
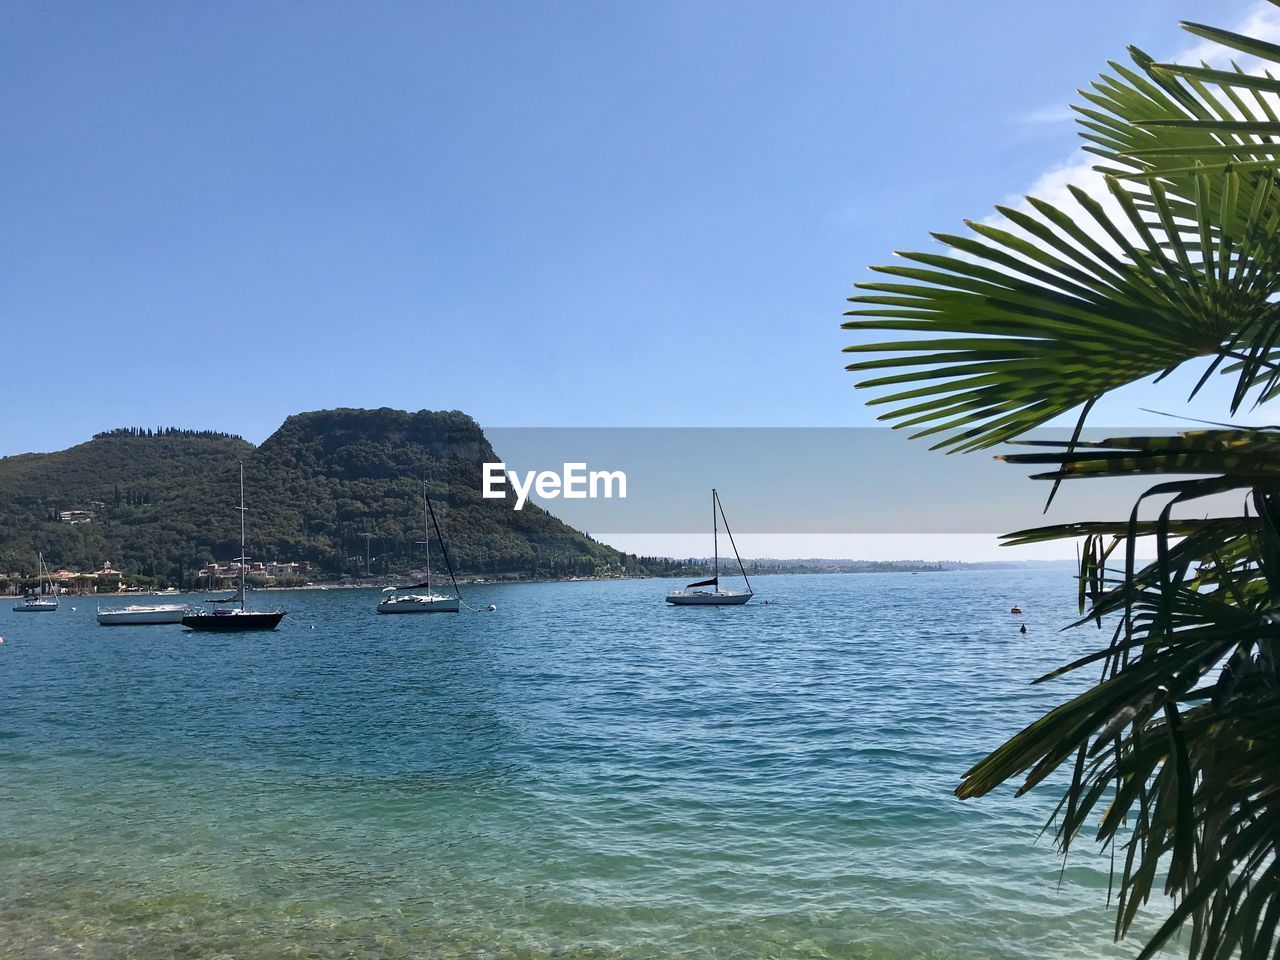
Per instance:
(587,773)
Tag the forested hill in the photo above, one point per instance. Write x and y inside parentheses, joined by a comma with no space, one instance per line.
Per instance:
(161,503)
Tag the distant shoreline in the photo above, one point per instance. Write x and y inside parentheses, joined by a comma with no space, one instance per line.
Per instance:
(782,568)
(941,567)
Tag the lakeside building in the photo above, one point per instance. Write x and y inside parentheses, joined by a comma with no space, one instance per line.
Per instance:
(215,574)
(105,580)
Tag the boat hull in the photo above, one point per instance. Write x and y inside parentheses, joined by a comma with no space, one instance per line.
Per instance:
(43,607)
(420,605)
(725,598)
(130,616)
(233,622)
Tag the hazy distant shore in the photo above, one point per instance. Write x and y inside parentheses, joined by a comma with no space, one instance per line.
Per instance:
(776,568)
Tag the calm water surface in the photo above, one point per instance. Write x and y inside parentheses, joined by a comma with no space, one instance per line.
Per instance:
(587,772)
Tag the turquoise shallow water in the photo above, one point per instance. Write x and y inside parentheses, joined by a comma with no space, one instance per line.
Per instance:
(587,772)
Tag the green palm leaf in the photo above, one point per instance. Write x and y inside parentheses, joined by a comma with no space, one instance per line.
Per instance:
(1184,731)
(1010,330)
(1179,120)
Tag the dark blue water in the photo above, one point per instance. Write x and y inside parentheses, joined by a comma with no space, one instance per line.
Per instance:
(587,772)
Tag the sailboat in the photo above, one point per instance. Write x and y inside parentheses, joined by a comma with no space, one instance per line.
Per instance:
(693,595)
(38,601)
(400,600)
(225,617)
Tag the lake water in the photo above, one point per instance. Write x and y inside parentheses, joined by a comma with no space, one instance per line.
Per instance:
(585,773)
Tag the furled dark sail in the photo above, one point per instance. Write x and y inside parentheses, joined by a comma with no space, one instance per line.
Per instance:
(237,597)
(704,583)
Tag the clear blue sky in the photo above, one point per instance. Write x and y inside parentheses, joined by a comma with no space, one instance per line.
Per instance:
(540,213)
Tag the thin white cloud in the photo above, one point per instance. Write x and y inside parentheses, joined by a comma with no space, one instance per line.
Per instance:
(1047,116)
(1262,23)
(1077,170)
(1054,184)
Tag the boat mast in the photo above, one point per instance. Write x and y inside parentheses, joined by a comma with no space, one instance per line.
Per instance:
(243,558)
(715,539)
(426,530)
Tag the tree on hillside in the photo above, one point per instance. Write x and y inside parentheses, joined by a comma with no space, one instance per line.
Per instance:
(1174,755)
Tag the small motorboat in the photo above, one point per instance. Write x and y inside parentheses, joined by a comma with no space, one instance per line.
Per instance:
(137,613)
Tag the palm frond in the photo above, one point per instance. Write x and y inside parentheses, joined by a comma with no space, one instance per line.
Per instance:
(1010,330)
(1183,731)
(1175,752)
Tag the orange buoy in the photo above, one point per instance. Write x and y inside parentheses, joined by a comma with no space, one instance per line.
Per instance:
(1015,609)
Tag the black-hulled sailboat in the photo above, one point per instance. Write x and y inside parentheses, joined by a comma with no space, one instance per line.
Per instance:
(225,617)
(693,595)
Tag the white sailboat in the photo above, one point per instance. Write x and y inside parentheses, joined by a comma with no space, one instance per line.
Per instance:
(694,595)
(45,597)
(400,600)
